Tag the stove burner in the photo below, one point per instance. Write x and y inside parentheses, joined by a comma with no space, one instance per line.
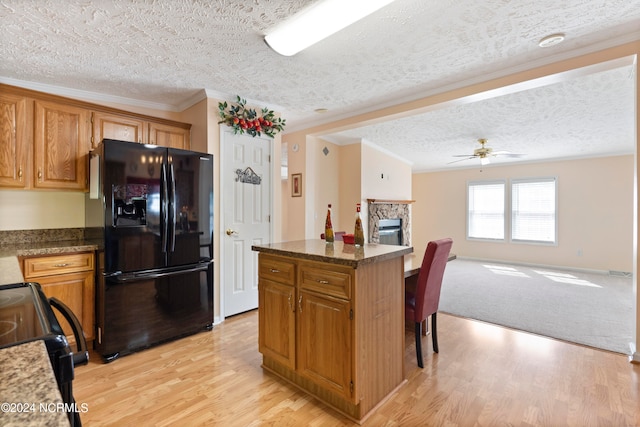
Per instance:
(9,298)
(6,327)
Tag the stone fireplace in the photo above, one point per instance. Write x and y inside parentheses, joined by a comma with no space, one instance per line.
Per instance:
(389,209)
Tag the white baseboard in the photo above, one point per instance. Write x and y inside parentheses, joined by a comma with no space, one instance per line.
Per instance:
(527,264)
(635,356)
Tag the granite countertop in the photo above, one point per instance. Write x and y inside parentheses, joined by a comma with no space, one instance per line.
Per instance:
(336,252)
(28,389)
(48,248)
(45,242)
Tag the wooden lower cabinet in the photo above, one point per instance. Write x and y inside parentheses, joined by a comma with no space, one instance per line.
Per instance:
(277,322)
(325,342)
(335,331)
(70,278)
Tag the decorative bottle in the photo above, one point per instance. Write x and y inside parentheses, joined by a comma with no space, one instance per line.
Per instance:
(328,227)
(358,233)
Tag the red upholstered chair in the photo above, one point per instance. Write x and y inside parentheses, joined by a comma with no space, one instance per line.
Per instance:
(422,302)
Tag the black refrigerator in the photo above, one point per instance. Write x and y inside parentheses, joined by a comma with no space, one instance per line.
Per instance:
(151,208)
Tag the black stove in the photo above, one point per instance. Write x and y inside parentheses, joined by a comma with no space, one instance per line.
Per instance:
(26,314)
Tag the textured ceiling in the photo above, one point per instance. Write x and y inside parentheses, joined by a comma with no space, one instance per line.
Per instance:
(163,53)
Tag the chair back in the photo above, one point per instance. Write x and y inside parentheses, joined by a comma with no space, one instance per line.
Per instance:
(430,278)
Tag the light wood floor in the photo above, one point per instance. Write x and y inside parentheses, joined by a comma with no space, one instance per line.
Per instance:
(484,375)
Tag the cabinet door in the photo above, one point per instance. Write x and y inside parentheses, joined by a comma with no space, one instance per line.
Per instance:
(112,126)
(169,136)
(276,333)
(324,342)
(75,290)
(61,146)
(13,141)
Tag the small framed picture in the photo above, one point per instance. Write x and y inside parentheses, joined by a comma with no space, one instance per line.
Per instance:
(296,185)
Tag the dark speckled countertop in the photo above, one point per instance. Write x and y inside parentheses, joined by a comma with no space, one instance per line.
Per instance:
(18,243)
(44,242)
(48,248)
(337,252)
(29,393)
(26,376)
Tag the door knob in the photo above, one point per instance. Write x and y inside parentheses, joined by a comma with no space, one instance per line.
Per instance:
(231,232)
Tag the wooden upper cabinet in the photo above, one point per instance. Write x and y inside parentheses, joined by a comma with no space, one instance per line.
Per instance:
(13,141)
(133,129)
(169,136)
(61,146)
(45,139)
(112,126)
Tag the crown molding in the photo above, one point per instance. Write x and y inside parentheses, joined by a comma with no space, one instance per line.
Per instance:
(88,96)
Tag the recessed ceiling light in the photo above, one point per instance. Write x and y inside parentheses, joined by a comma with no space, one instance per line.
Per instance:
(320,110)
(551,40)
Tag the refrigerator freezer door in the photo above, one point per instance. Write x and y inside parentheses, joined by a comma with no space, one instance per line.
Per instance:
(139,311)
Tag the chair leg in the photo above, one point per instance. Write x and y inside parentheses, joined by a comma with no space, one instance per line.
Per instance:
(418,331)
(434,335)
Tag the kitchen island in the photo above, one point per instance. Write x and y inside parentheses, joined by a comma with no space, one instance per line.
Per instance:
(331,320)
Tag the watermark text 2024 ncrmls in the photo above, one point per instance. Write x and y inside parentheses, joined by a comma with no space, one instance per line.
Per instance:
(64,407)
(25,407)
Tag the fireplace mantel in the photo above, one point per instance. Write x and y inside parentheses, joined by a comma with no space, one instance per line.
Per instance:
(400,202)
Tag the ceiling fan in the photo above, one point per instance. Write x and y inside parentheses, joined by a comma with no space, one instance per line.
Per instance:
(484,153)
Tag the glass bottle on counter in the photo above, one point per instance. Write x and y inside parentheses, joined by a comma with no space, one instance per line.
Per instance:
(328,227)
(358,233)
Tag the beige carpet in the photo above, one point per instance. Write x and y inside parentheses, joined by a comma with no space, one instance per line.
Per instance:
(586,308)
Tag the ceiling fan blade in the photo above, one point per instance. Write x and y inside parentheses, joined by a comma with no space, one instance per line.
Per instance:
(464,155)
(456,161)
(506,154)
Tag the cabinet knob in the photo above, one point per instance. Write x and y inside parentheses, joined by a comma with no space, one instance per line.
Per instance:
(275,270)
(300,303)
(39,174)
(323,282)
(290,304)
(20,173)
(64,264)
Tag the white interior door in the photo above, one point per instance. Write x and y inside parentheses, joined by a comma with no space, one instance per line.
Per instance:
(246,202)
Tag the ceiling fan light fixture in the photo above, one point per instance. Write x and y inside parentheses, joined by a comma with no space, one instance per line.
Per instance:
(484,161)
(318,22)
(551,40)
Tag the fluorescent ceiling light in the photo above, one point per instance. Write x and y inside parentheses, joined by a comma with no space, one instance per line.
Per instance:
(317,22)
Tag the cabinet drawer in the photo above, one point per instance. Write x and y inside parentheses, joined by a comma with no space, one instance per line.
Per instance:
(277,269)
(57,264)
(327,279)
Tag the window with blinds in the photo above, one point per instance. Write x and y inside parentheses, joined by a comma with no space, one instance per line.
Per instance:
(485,210)
(533,210)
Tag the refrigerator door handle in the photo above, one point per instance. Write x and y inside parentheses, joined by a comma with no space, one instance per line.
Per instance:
(172,210)
(164,208)
(154,275)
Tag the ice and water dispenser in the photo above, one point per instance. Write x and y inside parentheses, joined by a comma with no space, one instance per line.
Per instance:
(130,205)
